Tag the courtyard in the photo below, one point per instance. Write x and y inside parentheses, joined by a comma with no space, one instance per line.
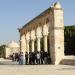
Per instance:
(7,67)
(37,69)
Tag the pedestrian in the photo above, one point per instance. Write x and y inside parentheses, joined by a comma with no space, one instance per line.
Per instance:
(13,57)
(21,58)
(33,58)
(26,58)
(38,57)
(30,57)
(42,57)
(45,57)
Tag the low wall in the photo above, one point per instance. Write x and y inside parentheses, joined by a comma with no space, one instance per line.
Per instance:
(68,60)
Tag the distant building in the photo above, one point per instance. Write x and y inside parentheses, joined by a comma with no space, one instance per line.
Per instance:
(11,48)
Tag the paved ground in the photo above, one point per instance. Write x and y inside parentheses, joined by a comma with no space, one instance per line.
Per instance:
(7,62)
(11,68)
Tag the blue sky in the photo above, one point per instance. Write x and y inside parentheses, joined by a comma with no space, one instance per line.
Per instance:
(16,13)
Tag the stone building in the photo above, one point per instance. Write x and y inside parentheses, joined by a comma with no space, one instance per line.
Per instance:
(47,27)
(11,48)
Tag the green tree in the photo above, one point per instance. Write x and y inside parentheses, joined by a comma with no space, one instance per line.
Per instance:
(2,51)
(69,34)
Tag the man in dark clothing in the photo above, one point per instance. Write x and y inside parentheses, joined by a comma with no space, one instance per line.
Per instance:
(26,58)
(42,57)
(30,57)
(13,57)
(45,57)
(33,58)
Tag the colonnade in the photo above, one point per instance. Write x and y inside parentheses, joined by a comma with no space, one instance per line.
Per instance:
(40,32)
(48,23)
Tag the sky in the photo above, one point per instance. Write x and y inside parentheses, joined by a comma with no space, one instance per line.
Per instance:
(16,13)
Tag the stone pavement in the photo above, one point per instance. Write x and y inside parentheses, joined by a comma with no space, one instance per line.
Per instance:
(7,62)
(37,70)
(15,69)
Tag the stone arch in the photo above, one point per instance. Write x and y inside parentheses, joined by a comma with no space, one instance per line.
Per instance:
(39,32)
(47,20)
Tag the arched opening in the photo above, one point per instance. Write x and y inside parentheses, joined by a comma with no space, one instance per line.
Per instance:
(48,46)
(42,44)
(30,43)
(35,45)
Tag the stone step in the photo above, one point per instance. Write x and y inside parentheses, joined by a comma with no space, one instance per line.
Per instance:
(68,60)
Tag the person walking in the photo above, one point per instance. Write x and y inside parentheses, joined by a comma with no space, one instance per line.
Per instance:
(21,58)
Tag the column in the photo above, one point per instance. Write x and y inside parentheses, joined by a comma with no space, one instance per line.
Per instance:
(23,46)
(38,44)
(39,36)
(23,43)
(27,41)
(45,43)
(32,45)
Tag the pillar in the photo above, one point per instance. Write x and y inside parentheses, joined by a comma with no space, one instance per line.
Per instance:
(57,34)
(32,38)
(39,36)
(27,41)
(23,46)
(23,43)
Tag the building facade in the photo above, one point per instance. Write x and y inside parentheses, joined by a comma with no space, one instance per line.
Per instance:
(11,48)
(45,32)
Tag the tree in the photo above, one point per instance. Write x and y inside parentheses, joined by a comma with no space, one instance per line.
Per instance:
(2,51)
(69,34)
